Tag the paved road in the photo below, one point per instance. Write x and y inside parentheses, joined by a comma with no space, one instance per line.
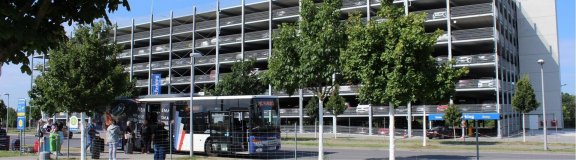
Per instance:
(360,154)
(310,153)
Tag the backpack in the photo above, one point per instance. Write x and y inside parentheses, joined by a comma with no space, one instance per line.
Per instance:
(91,130)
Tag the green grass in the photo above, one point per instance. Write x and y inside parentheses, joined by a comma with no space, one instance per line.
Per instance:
(15,131)
(448,145)
(13,154)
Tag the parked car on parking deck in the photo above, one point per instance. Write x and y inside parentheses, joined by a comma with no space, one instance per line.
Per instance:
(362,108)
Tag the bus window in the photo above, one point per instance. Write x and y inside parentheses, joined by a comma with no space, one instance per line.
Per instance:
(220,123)
(264,115)
(201,123)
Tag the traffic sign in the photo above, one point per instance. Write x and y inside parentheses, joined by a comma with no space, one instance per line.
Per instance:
(21,110)
(74,123)
(21,123)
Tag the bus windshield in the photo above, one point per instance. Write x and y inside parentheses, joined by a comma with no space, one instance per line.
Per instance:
(265,115)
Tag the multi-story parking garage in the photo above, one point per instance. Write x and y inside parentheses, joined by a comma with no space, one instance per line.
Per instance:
(496,39)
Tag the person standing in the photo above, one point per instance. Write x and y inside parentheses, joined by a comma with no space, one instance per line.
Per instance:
(129,137)
(113,136)
(160,140)
(59,130)
(146,137)
(91,134)
(54,141)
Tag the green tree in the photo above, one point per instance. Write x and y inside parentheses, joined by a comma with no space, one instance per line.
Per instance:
(568,106)
(524,100)
(11,115)
(39,100)
(84,74)
(35,26)
(336,105)
(2,112)
(243,80)
(311,109)
(306,54)
(452,117)
(393,61)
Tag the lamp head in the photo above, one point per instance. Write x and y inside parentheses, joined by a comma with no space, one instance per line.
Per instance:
(540,61)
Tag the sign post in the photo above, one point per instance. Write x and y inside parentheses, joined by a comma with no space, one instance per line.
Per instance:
(21,120)
(73,126)
(471,116)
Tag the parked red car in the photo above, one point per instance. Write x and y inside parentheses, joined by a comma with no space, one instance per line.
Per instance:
(440,132)
(383,131)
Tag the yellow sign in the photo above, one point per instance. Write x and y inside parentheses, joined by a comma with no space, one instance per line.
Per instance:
(73,122)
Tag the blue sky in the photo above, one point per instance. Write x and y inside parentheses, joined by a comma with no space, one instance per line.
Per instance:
(17,84)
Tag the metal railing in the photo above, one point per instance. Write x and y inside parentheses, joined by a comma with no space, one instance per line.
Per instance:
(286,12)
(476,83)
(469,59)
(475,9)
(434,14)
(416,109)
(470,34)
(353,3)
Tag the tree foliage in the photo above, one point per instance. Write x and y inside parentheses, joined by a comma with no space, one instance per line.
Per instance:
(336,103)
(11,115)
(312,109)
(306,54)
(393,59)
(243,80)
(452,115)
(524,99)
(35,26)
(84,74)
(568,107)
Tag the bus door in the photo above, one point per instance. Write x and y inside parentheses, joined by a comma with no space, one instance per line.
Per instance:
(220,132)
(239,126)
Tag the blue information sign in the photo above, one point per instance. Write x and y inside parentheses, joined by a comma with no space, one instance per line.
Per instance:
(21,123)
(156,84)
(435,117)
(21,110)
(467,116)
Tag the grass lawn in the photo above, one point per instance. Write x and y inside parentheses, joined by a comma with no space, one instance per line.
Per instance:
(446,144)
(29,131)
(13,154)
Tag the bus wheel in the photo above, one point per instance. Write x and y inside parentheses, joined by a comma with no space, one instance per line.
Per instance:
(208,148)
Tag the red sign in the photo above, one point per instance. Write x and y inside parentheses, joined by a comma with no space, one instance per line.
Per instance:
(441,108)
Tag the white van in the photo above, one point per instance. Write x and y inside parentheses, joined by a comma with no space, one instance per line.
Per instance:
(363,108)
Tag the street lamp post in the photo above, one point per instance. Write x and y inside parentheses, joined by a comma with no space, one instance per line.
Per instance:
(8,106)
(541,62)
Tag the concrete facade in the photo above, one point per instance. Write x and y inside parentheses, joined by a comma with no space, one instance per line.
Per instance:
(538,37)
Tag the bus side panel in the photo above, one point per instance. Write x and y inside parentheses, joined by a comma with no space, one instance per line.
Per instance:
(182,138)
(199,141)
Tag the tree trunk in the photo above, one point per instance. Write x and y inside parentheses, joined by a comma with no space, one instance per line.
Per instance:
(320,129)
(82,137)
(523,127)
(334,126)
(392,147)
(424,127)
(454,131)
